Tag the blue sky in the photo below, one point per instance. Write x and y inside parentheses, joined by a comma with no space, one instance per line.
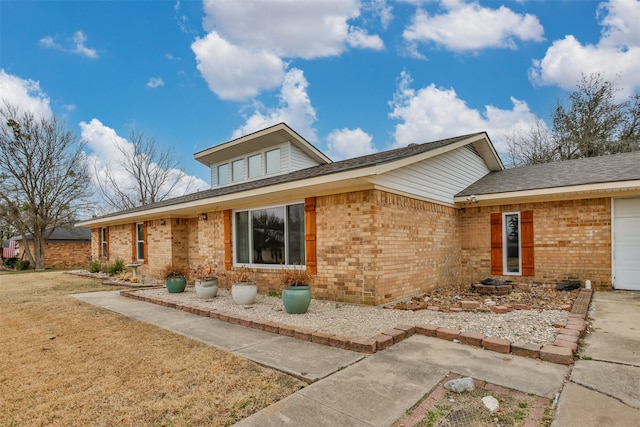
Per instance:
(351,77)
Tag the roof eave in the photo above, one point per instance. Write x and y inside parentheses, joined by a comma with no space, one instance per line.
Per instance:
(585,191)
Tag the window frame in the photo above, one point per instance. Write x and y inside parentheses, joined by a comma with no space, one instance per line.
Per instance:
(237,166)
(287,255)
(506,246)
(226,175)
(140,240)
(104,243)
(267,170)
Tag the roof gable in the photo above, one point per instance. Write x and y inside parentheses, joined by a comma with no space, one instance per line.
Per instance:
(260,140)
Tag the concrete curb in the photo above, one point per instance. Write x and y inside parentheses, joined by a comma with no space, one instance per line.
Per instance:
(561,352)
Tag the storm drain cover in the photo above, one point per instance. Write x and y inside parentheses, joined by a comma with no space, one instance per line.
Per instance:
(476,417)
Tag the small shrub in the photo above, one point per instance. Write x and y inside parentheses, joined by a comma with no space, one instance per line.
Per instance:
(175,270)
(116,267)
(296,276)
(95,266)
(10,262)
(22,264)
(124,276)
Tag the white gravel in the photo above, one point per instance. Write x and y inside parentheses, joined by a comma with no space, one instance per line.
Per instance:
(533,326)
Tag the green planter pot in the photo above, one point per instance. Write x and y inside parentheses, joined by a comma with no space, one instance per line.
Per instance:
(296,299)
(176,284)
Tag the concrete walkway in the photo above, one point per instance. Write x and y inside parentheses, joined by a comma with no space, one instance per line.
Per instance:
(375,391)
(604,387)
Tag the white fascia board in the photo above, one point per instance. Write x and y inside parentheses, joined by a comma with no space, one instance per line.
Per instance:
(574,191)
(347,179)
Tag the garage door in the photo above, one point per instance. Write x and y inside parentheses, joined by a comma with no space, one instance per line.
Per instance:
(626,244)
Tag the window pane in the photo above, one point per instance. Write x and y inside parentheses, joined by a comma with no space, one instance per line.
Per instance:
(238,170)
(295,240)
(242,237)
(140,240)
(255,167)
(268,236)
(273,161)
(512,237)
(223,174)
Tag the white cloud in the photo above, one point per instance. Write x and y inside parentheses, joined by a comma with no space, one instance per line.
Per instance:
(359,37)
(25,95)
(233,72)
(155,82)
(298,29)
(249,41)
(472,27)
(347,143)
(294,108)
(76,45)
(102,144)
(616,55)
(79,40)
(432,113)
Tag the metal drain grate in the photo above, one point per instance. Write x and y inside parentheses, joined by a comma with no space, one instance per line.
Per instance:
(467,417)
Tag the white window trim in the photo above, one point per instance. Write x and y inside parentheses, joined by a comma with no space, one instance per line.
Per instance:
(286,232)
(104,244)
(505,247)
(139,256)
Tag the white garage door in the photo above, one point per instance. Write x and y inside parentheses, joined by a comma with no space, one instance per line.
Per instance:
(626,244)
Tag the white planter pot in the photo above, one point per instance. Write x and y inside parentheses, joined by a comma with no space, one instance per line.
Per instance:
(244,293)
(206,289)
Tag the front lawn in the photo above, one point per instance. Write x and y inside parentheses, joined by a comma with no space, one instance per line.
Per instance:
(64,363)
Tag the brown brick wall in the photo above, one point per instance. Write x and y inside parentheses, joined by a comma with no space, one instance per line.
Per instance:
(375,247)
(572,240)
(65,254)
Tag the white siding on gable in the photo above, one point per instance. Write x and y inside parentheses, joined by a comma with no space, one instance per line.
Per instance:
(299,159)
(438,178)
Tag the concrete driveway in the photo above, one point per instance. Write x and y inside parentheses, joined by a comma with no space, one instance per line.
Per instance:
(604,386)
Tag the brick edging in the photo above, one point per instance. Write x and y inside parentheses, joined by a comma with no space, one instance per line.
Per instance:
(561,352)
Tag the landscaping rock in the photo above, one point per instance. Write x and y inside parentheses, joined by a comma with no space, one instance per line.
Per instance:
(491,403)
(460,385)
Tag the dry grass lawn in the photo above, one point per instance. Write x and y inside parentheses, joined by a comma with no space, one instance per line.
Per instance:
(66,363)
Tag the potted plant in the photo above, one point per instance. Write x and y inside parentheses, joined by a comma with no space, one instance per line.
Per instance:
(175,276)
(296,294)
(243,286)
(206,281)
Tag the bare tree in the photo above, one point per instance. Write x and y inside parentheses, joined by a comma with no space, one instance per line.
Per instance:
(142,173)
(43,176)
(537,145)
(593,124)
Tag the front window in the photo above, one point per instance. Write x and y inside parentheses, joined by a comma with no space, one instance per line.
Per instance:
(103,243)
(140,241)
(270,235)
(511,243)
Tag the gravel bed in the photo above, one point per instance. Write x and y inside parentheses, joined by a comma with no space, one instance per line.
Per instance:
(533,326)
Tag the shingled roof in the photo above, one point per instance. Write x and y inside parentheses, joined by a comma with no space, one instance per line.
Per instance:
(312,172)
(592,170)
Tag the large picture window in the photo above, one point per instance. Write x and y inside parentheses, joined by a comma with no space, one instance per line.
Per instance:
(272,235)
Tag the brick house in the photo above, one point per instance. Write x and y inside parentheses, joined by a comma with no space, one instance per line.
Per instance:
(64,247)
(389,225)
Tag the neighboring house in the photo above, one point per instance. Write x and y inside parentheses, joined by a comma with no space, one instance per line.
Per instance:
(389,225)
(64,247)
